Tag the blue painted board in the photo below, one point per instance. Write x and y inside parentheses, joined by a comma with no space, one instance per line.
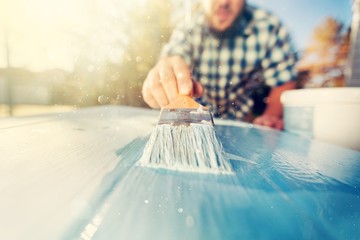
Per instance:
(74,176)
(284,187)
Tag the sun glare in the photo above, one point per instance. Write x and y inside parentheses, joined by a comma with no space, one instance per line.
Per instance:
(43,34)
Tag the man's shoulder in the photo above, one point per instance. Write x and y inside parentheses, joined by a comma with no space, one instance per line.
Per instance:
(260,17)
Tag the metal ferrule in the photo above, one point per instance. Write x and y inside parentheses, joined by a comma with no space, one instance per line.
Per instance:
(185,116)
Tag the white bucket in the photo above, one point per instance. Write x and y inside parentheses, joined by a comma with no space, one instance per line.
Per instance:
(327,114)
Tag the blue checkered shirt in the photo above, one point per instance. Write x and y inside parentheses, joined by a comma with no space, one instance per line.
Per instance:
(254,52)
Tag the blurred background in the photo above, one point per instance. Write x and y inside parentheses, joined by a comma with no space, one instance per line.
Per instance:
(58,55)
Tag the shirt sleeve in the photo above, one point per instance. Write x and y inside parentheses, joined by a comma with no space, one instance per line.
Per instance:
(279,62)
(180,44)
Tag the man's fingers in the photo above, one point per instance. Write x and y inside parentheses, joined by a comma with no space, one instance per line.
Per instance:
(183,76)
(169,78)
(269,121)
(153,91)
(150,100)
(198,89)
(160,96)
(257,121)
(157,90)
(279,124)
(168,81)
(146,93)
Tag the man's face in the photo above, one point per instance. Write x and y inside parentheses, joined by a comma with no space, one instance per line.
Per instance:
(222,13)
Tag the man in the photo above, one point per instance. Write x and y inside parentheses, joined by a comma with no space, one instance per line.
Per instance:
(221,57)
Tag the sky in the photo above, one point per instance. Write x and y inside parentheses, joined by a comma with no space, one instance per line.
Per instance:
(301,16)
(40,33)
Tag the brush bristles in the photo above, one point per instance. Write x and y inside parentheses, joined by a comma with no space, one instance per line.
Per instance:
(193,147)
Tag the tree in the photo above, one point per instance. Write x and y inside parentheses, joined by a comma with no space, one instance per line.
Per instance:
(324,59)
(117,51)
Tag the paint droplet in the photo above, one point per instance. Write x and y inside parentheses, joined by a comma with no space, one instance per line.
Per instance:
(138,59)
(189,221)
(146,201)
(180,210)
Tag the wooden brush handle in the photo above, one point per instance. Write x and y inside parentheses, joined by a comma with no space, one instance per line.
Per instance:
(183,102)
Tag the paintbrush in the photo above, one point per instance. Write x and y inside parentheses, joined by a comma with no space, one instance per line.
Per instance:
(185,140)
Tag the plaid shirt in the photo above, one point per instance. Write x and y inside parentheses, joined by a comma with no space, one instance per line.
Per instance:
(255,51)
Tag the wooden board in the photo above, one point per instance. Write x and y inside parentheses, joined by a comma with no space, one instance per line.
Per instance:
(74,176)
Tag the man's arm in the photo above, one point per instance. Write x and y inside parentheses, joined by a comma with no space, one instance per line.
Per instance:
(171,75)
(272,117)
(279,72)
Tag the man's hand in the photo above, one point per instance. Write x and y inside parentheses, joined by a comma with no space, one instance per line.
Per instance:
(269,121)
(170,77)
(272,116)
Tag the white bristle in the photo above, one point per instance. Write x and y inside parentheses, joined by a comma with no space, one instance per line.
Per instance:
(193,147)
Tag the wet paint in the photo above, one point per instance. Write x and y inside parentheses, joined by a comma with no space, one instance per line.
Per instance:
(284,187)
